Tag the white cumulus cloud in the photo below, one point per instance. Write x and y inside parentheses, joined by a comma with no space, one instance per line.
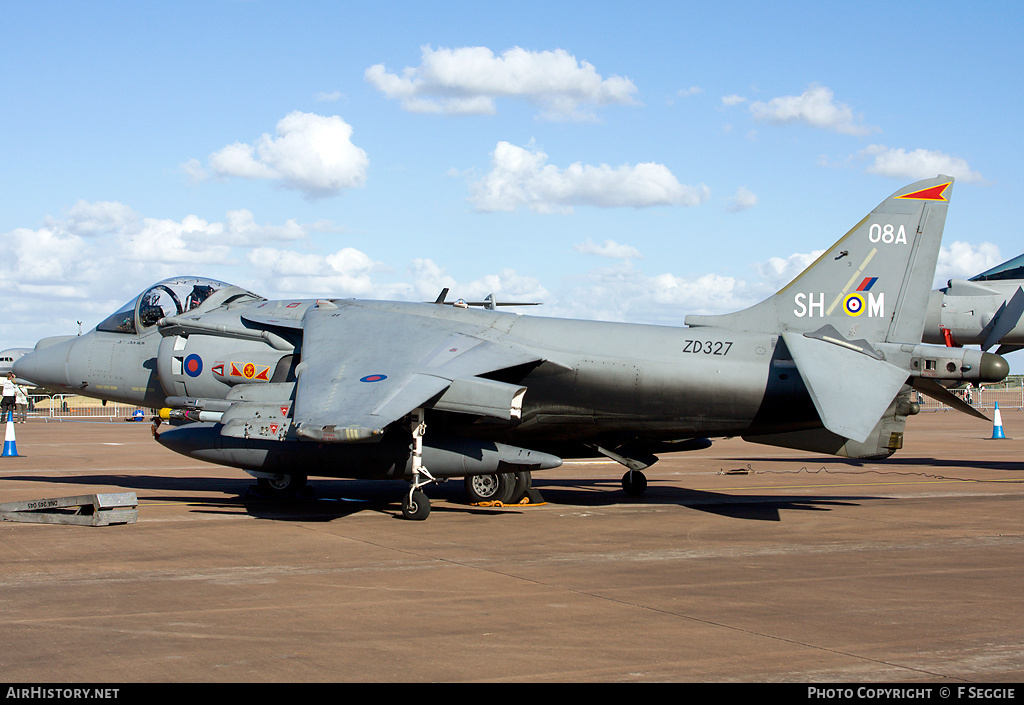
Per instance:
(97,218)
(103,251)
(776,272)
(346,272)
(815,107)
(427,278)
(311,153)
(609,248)
(918,164)
(962,260)
(522,177)
(744,199)
(468,80)
(622,292)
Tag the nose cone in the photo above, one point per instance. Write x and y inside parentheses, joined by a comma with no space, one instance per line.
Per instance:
(994,368)
(46,366)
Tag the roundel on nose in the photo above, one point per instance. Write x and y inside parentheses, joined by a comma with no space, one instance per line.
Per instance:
(193,365)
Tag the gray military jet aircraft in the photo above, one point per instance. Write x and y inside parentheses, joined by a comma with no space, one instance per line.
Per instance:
(984,310)
(7,359)
(424,391)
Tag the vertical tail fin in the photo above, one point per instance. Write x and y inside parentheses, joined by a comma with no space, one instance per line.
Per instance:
(872,284)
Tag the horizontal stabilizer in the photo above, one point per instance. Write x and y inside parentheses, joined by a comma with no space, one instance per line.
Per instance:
(851,389)
(1006,319)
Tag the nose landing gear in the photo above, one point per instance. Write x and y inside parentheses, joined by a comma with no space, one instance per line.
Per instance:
(416,505)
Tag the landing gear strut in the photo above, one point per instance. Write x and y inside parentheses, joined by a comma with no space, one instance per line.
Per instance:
(416,505)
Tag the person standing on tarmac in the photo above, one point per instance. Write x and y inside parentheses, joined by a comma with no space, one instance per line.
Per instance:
(20,404)
(7,407)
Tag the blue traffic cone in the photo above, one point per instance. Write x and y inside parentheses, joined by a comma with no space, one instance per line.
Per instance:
(997,425)
(10,446)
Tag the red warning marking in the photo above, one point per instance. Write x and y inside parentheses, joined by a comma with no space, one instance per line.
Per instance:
(932,193)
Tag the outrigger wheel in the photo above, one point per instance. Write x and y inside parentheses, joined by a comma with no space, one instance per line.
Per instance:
(634,483)
(282,485)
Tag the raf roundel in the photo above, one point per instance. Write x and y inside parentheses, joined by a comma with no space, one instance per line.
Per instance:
(853,304)
(374,378)
(193,365)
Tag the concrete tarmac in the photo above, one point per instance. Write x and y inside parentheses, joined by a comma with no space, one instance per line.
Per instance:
(742,563)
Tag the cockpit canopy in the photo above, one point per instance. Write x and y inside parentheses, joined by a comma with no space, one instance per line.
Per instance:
(170,297)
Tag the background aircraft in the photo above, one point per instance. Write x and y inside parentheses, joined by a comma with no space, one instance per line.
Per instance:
(7,360)
(984,310)
(424,391)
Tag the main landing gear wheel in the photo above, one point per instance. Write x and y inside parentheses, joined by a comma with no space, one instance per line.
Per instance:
(490,488)
(416,506)
(634,483)
(523,484)
(506,487)
(281,485)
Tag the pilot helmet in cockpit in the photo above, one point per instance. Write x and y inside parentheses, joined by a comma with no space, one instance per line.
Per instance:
(200,292)
(150,310)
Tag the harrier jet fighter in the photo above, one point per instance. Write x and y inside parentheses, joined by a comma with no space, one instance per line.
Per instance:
(424,391)
(984,310)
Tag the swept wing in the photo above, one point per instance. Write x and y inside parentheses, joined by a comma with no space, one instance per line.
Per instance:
(367,366)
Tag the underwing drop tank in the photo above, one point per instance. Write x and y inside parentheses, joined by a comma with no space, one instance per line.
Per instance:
(391,458)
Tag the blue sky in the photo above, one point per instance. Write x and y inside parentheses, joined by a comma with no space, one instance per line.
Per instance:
(619,161)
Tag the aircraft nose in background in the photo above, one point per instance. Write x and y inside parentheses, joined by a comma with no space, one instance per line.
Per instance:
(46,366)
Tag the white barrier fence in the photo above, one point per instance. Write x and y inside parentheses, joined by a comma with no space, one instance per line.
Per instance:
(983,398)
(67,407)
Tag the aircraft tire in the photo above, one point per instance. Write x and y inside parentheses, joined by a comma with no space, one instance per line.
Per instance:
(634,483)
(497,487)
(416,506)
(283,485)
(522,485)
